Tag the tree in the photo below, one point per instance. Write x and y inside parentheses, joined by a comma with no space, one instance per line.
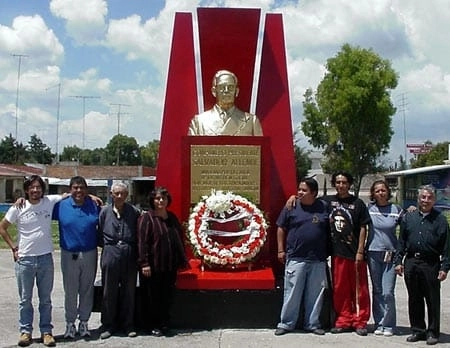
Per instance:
(402,162)
(302,162)
(71,154)
(39,152)
(438,154)
(8,150)
(98,157)
(11,151)
(124,150)
(350,115)
(149,154)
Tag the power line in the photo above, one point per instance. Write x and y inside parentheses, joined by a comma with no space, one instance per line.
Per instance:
(402,108)
(57,118)
(84,97)
(19,56)
(118,114)
(118,128)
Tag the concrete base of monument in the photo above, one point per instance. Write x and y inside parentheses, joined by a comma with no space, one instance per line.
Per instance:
(213,309)
(246,277)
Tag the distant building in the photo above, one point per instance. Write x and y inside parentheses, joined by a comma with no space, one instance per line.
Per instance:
(324,180)
(140,179)
(405,184)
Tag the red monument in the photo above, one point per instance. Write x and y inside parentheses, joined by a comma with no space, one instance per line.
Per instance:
(228,39)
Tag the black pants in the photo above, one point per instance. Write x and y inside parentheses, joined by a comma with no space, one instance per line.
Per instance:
(423,287)
(119,273)
(159,290)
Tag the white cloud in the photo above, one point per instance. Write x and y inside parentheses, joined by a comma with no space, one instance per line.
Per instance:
(29,35)
(85,21)
(88,83)
(426,25)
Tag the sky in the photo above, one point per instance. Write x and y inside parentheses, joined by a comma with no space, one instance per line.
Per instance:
(106,61)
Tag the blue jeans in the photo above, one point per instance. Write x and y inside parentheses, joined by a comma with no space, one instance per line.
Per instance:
(303,281)
(29,269)
(383,290)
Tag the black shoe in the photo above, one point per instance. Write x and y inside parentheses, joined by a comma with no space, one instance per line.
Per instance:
(280,331)
(157,332)
(320,332)
(431,340)
(361,332)
(338,330)
(416,337)
(167,332)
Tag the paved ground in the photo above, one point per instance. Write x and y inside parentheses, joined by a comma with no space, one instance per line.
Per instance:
(221,338)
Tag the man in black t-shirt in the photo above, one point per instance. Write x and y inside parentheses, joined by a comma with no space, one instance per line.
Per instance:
(348,219)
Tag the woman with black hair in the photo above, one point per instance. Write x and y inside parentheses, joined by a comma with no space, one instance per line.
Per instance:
(160,255)
(381,246)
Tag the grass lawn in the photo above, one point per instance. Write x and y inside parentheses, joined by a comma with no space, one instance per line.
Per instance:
(13,233)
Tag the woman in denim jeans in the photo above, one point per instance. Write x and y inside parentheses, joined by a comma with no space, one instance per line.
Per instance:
(381,246)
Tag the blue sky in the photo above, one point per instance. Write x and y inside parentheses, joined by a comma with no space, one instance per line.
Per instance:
(118,50)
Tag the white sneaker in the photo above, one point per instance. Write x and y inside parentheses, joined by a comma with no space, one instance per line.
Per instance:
(379,331)
(70,331)
(83,329)
(388,332)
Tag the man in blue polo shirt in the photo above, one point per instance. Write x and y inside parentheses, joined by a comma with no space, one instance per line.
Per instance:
(78,219)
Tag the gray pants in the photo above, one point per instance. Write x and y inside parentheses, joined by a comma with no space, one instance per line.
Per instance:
(78,273)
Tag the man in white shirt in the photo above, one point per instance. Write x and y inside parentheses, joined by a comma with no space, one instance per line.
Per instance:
(33,257)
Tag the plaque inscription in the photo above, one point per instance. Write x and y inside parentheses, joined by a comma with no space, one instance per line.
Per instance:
(235,168)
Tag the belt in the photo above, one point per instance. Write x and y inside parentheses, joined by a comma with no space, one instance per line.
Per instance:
(423,256)
(118,243)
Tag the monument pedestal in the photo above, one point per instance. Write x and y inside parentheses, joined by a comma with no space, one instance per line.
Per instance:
(217,279)
(228,163)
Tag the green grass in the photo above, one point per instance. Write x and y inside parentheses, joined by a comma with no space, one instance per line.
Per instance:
(13,233)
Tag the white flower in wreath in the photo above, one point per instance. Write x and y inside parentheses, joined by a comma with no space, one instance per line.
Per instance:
(225,207)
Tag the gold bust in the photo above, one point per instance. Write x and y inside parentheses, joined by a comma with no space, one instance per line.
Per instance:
(225,118)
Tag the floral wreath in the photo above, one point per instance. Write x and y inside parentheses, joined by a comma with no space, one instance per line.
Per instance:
(211,217)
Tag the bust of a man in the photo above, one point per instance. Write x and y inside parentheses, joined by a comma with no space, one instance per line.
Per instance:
(225,118)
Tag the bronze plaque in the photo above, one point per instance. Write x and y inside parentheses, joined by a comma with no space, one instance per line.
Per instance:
(235,168)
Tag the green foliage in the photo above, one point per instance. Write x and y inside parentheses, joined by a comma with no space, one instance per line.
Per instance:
(125,150)
(350,115)
(11,151)
(39,152)
(302,162)
(437,155)
(149,154)
(121,150)
(70,153)
(402,162)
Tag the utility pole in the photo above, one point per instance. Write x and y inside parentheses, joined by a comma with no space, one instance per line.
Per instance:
(84,97)
(402,106)
(57,118)
(118,129)
(19,57)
